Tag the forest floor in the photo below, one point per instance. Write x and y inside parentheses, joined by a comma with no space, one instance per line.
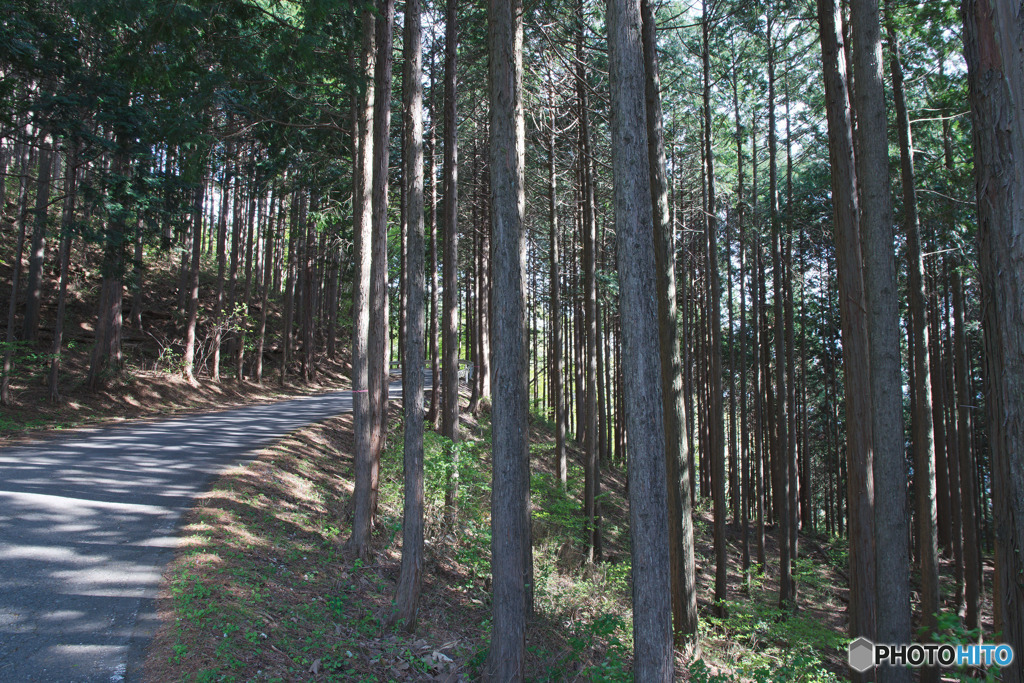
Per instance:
(151,382)
(261,588)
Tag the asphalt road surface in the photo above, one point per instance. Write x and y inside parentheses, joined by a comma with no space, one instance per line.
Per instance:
(88,520)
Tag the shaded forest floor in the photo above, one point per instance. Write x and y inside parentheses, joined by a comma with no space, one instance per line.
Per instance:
(261,589)
(151,382)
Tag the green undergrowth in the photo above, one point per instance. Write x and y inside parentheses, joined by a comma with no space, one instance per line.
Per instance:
(262,589)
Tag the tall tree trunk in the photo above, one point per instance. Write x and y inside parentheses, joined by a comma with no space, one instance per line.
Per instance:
(363,239)
(634,225)
(12,304)
(511,548)
(243,319)
(995,70)
(289,285)
(268,263)
(716,422)
(482,370)
(968,485)
(893,597)
(68,217)
(377,345)
(450,315)
(193,273)
(222,230)
(757,302)
(853,315)
(435,366)
(379,338)
(743,416)
(410,578)
(680,517)
(588,234)
(926,422)
(792,460)
(37,253)
(780,459)
(106,354)
(560,461)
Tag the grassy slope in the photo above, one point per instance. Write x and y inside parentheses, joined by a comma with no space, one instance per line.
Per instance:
(261,589)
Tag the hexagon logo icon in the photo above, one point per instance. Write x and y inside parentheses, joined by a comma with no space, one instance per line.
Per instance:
(862,655)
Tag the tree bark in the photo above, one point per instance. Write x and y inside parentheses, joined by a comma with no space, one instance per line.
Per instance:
(634,225)
(12,304)
(367,468)
(37,253)
(363,231)
(592,474)
(435,366)
(410,577)
(716,413)
(849,274)
(968,485)
(450,314)
(993,33)
(511,548)
(780,459)
(67,218)
(560,461)
(680,516)
(893,597)
(379,336)
(193,273)
(926,421)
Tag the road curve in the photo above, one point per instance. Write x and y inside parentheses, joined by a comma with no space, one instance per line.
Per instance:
(88,521)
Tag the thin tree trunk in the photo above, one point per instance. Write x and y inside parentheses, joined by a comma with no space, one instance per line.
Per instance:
(268,263)
(588,235)
(968,486)
(222,230)
(410,578)
(193,276)
(450,314)
(780,459)
(68,217)
(362,210)
(435,366)
(716,421)
(37,253)
(926,422)
(12,304)
(743,416)
(560,461)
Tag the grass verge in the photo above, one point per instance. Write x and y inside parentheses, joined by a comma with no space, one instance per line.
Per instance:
(261,590)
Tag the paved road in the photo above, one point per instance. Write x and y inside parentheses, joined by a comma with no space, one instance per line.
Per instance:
(88,521)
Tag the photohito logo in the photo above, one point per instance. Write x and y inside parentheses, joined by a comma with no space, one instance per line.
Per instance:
(864,655)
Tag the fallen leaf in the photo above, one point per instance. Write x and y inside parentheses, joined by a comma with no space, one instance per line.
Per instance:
(315,669)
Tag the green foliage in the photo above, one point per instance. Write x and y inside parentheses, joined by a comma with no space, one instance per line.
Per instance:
(949,629)
(558,514)
(772,635)
(799,668)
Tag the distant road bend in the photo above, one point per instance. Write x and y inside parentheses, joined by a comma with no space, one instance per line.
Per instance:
(88,521)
